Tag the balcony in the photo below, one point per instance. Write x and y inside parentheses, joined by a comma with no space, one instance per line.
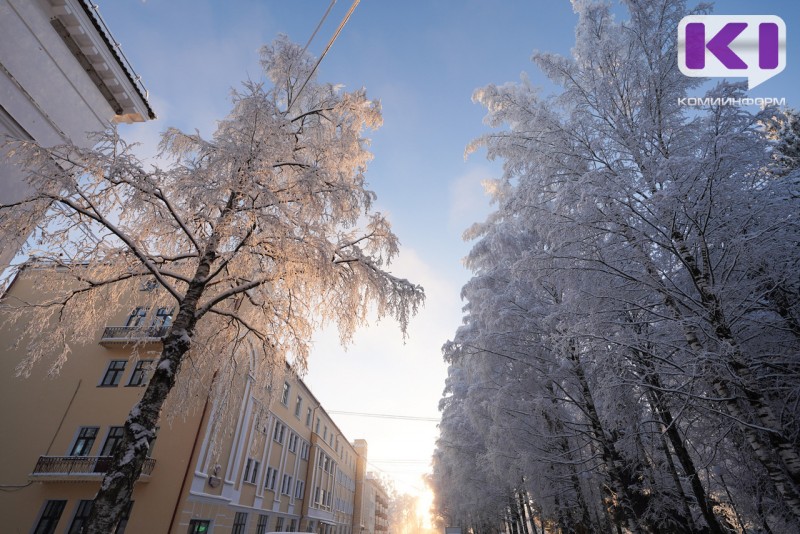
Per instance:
(80,468)
(125,335)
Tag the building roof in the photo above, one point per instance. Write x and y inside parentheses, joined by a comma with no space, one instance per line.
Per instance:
(93,13)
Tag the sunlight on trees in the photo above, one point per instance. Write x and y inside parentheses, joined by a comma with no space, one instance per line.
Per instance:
(258,236)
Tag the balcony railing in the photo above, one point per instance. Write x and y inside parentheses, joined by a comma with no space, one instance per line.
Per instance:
(123,335)
(80,468)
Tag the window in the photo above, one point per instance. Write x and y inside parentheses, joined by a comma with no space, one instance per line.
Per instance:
(286,486)
(251,471)
(325,434)
(113,373)
(261,527)
(317,429)
(239,523)
(326,463)
(84,441)
(136,318)
(304,450)
(308,417)
(81,515)
(163,318)
(140,373)
(148,284)
(293,442)
(298,406)
(292,525)
(285,394)
(113,439)
(269,482)
(299,489)
(279,430)
(279,525)
(199,526)
(51,513)
(123,521)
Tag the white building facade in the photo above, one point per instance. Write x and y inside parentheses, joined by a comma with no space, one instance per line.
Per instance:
(62,77)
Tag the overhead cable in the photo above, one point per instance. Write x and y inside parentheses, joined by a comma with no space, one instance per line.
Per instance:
(386,416)
(324,52)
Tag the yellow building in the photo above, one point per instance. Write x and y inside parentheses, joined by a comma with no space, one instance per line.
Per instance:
(240,466)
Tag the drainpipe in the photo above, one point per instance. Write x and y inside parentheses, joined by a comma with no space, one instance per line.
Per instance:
(63,417)
(191,455)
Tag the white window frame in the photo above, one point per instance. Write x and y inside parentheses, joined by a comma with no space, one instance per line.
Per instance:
(285,395)
(251,468)
(269,481)
(286,484)
(280,428)
(298,407)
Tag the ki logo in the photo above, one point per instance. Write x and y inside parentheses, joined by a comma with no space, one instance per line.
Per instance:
(716,46)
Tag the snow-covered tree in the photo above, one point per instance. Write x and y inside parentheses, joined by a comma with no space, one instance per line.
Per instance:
(783,129)
(257,235)
(635,292)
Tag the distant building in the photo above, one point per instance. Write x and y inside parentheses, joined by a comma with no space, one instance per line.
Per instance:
(61,78)
(372,514)
(282,467)
(376,493)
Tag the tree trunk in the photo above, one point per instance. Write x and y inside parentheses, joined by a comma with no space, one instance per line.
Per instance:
(676,479)
(139,431)
(116,488)
(526,503)
(670,426)
(608,452)
(522,514)
(783,468)
(778,454)
(556,428)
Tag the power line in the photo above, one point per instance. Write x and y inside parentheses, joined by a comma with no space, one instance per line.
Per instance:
(325,16)
(324,52)
(386,416)
(427,460)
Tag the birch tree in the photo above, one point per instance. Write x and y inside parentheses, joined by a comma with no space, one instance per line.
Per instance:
(258,235)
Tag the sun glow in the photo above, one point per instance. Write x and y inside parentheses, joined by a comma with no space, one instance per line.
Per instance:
(424,505)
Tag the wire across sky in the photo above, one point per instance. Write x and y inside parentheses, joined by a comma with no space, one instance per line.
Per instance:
(387,416)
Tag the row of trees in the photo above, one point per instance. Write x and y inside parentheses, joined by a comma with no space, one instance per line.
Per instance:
(629,356)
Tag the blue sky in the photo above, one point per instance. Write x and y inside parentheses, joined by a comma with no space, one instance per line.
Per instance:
(422,59)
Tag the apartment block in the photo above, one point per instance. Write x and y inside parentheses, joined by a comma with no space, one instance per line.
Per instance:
(372,513)
(244,466)
(376,494)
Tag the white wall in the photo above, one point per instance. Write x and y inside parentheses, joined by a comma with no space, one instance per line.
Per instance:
(45,92)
